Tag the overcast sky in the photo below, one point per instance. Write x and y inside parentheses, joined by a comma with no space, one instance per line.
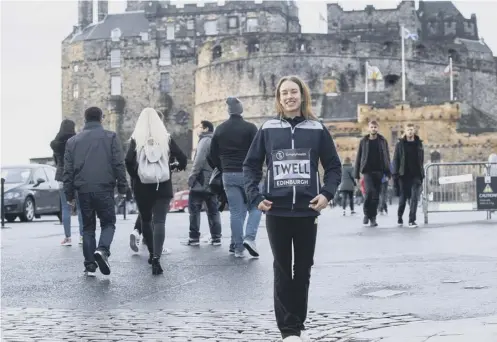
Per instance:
(31,35)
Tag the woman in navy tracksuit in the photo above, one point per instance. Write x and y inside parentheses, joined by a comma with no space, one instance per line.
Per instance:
(292,144)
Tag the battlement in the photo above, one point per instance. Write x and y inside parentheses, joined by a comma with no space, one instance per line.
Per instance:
(163,9)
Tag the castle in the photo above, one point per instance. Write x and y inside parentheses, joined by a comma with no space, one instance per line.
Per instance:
(185,60)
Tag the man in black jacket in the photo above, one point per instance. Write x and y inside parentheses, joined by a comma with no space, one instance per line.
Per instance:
(229,147)
(409,170)
(93,162)
(373,161)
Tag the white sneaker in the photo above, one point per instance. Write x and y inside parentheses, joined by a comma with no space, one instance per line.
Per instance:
(305,337)
(239,254)
(66,242)
(292,339)
(166,251)
(134,240)
(251,248)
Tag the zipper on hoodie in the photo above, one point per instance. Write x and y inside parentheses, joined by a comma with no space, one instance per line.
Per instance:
(293,147)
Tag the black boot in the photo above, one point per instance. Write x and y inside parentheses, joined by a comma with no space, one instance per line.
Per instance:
(156,267)
(150,257)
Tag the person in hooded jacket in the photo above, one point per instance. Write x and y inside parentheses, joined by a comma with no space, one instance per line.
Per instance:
(152,199)
(58,145)
(292,145)
(347,186)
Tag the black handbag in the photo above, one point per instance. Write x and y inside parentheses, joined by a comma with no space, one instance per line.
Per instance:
(216,182)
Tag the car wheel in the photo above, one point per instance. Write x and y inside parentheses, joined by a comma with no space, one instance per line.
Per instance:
(28,212)
(10,217)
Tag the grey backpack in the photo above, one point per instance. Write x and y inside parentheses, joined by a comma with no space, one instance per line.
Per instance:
(153,165)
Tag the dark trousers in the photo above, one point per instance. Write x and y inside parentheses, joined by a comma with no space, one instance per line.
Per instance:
(410,188)
(372,183)
(195,200)
(138,224)
(102,205)
(291,293)
(350,195)
(382,203)
(153,223)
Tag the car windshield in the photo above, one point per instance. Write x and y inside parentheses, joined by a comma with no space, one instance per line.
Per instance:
(15,175)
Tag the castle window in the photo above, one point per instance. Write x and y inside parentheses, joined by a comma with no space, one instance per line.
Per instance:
(420,50)
(391,80)
(252,24)
(170,32)
(165,82)
(253,45)
(165,55)
(115,85)
(233,22)
(75,90)
(76,68)
(217,52)
(190,24)
(210,27)
(115,34)
(455,55)
(387,46)
(345,45)
(115,58)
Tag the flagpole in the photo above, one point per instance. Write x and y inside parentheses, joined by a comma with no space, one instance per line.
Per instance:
(403,65)
(451,80)
(366,85)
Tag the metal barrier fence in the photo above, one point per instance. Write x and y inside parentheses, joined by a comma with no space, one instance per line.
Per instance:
(452,187)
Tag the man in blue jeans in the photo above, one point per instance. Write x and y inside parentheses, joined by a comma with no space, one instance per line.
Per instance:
(93,166)
(229,147)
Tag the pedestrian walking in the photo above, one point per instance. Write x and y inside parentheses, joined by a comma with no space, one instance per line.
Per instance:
(198,181)
(58,145)
(292,144)
(149,154)
(347,185)
(229,147)
(373,161)
(93,165)
(409,170)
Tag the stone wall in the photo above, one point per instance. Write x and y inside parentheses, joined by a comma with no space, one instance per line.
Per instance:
(436,125)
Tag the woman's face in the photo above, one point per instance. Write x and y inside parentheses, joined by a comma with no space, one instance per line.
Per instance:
(290,96)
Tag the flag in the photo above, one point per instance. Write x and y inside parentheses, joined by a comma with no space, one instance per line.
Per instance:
(408,35)
(373,73)
(447,70)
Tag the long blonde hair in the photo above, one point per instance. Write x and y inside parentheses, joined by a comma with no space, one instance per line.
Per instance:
(150,126)
(306,106)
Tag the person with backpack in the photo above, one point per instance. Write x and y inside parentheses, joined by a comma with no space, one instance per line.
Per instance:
(348,185)
(58,145)
(147,162)
(93,166)
(200,190)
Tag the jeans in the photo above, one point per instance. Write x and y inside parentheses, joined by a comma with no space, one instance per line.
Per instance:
(153,224)
(66,213)
(291,294)
(382,204)
(350,195)
(372,183)
(410,188)
(102,205)
(195,200)
(233,186)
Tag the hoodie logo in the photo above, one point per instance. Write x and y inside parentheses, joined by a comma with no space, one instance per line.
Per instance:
(280,155)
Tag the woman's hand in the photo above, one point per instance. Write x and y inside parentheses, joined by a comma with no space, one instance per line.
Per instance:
(265,205)
(318,203)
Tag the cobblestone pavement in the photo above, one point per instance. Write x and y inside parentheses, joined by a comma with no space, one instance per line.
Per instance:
(25,324)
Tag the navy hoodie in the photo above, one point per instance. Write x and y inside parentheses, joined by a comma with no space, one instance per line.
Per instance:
(292,149)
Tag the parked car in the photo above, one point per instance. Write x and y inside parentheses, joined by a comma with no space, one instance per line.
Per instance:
(180,201)
(30,191)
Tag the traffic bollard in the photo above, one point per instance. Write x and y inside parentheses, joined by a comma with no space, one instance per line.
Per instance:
(1,204)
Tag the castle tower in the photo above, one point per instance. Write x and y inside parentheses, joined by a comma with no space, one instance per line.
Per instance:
(85,13)
(103,9)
